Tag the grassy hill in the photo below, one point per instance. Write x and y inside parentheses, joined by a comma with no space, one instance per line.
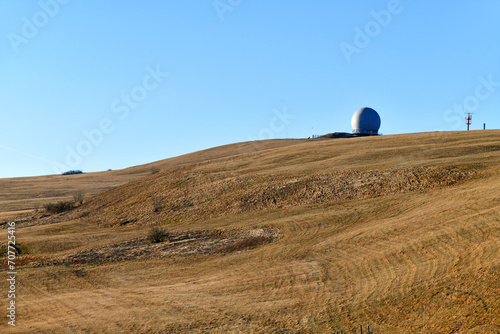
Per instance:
(401,233)
(24,195)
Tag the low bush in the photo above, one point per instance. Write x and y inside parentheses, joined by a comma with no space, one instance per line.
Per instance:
(157,235)
(157,203)
(79,196)
(59,207)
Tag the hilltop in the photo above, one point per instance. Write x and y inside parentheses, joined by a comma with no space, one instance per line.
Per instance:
(400,233)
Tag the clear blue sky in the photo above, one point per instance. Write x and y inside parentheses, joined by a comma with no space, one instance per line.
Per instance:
(237,71)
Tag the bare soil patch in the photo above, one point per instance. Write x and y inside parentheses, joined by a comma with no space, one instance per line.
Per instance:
(188,243)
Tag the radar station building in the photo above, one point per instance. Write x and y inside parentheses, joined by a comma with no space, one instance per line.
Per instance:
(365,122)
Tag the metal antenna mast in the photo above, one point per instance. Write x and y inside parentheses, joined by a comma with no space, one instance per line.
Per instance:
(468,120)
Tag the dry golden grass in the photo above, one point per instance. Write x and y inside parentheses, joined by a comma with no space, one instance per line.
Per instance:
(401,233)
(25,195)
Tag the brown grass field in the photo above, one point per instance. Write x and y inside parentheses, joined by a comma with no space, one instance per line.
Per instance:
(400,233)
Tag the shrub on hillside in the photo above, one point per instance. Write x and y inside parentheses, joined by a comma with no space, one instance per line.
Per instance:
(158,234)
(59,207)
(78,196)
(157,203)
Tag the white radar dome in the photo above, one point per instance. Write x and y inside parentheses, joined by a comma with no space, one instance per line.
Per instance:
(365,121)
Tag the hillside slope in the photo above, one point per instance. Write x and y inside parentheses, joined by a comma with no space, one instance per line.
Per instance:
(23,195)
(401,233)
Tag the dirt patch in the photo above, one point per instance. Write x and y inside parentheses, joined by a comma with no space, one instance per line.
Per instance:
(180,244)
